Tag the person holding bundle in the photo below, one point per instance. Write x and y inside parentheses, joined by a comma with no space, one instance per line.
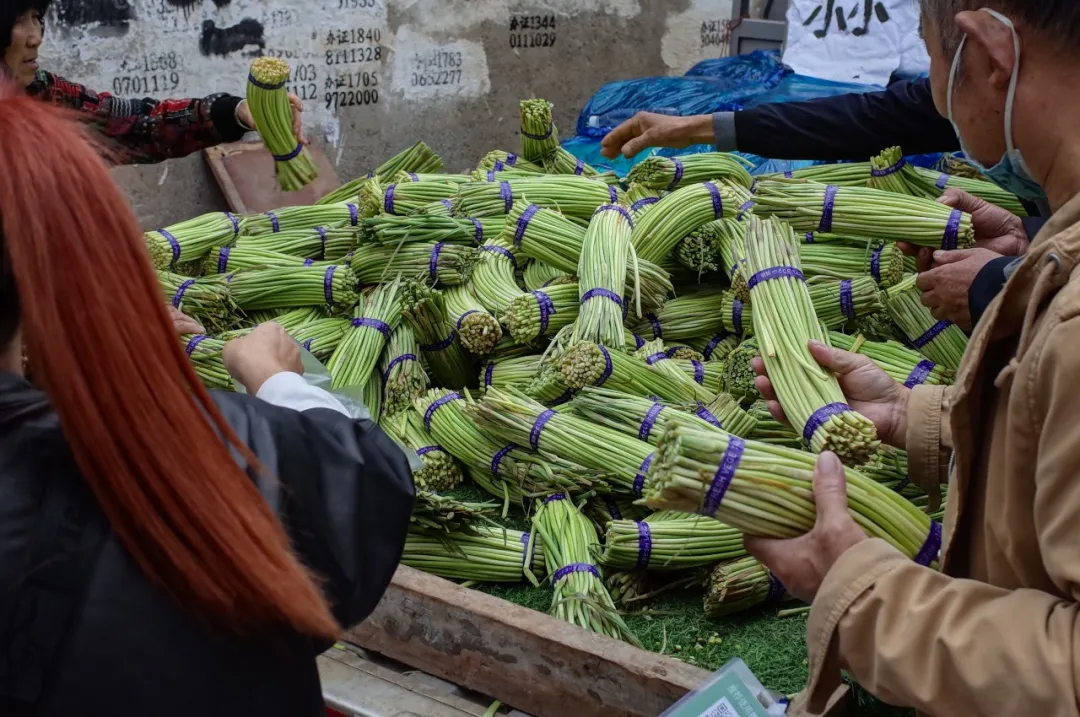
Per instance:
(129,131)
(166,550)
(995,631)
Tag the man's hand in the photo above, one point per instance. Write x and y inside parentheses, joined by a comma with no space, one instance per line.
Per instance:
(183,323)
(945,287)
(866,386)
(646,129)
(802,563)
(266,351)
(996,229)
(244,116)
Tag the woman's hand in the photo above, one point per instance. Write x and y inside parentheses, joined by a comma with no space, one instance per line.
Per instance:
(866,386)
(646,129)
(266,351)
(183,323)
(245,118)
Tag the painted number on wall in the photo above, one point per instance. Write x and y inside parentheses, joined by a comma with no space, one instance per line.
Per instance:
(530,31)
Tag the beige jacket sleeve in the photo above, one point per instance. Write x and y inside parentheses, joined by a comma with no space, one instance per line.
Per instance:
(948,646)
(929,440)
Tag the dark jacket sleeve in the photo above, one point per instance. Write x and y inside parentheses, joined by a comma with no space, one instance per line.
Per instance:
(343,490)
(852,126)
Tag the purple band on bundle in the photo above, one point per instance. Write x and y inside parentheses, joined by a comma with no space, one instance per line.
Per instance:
(307,344)
(499,166)
(436,405)
(644,544)
(678,175)
(904,482)
(650,421)
(423,451)
(523,223)
(847,303)
(717,201)
(643,202)
(608,367)
(194,343)
(747,205)
(497,458)
(489,373)
(699,371)
(776,590)
(539,137)
(565,397)
(820,416)
(775,272)
(643,469)
(875,264)
(713,343)
(371,175)
(291,155)
(507,195)
(526,558)
(328,285)
(448,204)
(500,250)
(707,416)
(653,358)
(511,159)
(952,230)
(444,344)
(491,176)
(930,549)
(808,238)
(275,225)
(173,244)
(554,497)
(827,208)
(223,259)
(322,240)
(235,223)
(615,208)
(612,193)
(179,293)
(478,237)
(413,176)
(736,316)
(605,293)
(638,341)
(461,319)
(538,428)
(381,326)
(789,175)
(942,181)
(891,169)
(612,508)
(388,199)
(920,373)
(264,85)
(579,168)
(547,308)
(433,262)
(390,366)
(575,568)
(724,474)
(308,262)
(931,334)
(354,214)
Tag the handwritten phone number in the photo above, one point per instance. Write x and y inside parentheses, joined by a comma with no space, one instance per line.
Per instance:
(536,39)
(152,63)
(532,22)
(145,84)
(351,98)
(354,36)
(436,60)
(353,56)
(436,79)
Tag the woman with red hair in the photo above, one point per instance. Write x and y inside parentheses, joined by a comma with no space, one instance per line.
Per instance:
(163,550)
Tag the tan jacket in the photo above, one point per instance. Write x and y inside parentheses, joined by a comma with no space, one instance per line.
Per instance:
(997,631)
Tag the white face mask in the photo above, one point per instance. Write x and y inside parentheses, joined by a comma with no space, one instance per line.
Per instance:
(1011,173)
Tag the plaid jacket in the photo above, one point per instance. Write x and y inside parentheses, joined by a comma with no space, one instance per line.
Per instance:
(144,131)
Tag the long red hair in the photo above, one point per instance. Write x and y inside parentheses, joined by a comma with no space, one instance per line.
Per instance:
(146,435)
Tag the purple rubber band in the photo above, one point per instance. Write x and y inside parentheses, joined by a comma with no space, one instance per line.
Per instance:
(817,420)
(952,230)
(827,208)
(497,458)
(875,264)
(448,204)
(307,344)
(511,159)
(920,373)
(650,421)
(354,214)
(223,259)
(891,169)
(775,272)
(713,343)
(643,469)
(724,474)
(491,176)
(605,293)
(390,366)
(554,497)
(930,549)
(538,428)
(322,240)
(539,137)
(413,176)
(776,590)
(388,199)
(433,262)
(478,236)
(489,374)
(291,155)
(547,309)
(942,181)
(523,223)
(501,250)
(579,168)
(847,302)
(904,483)
(173,244)
(371,175)
(499,166)
(644,544)
(747,205)
(931,334)
(275,225)
(661,356)
(643,202)
(638,341)
(707,416)
(612,194)
(699,371)
(615,208)
(381,326)
(328,285)
(424,450)
(565,397)
(575,568)
(608,367)
(526,558)
(194,342)
(678,175)
(717,201)
(736,316)
(264,85)
(179,293)
(808,238)
(436,405)
(235,223)
(308,262)
(613,509)
(461,319)
(789,175)
(507,195)
(444,344)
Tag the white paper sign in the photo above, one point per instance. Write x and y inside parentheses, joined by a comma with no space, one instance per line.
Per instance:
(854,40)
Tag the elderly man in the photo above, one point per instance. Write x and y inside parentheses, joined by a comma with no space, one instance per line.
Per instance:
(995,632)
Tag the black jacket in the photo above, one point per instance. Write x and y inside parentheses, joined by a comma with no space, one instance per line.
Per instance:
(82,632)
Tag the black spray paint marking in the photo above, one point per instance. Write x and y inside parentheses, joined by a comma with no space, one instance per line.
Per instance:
(227,40)
(190,4)
(110,13)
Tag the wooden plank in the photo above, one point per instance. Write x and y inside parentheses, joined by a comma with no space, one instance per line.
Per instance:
(245,173)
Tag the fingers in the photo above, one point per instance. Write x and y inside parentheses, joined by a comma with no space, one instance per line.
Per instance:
(951,257)
(830,489)
(638,144)
(907,249)
(298,120)
(926,280)
(835,360)
(613,143)
(959,199)
(765,388)
(924,259)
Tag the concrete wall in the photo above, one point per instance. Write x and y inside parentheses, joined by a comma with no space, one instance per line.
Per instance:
(376,75)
